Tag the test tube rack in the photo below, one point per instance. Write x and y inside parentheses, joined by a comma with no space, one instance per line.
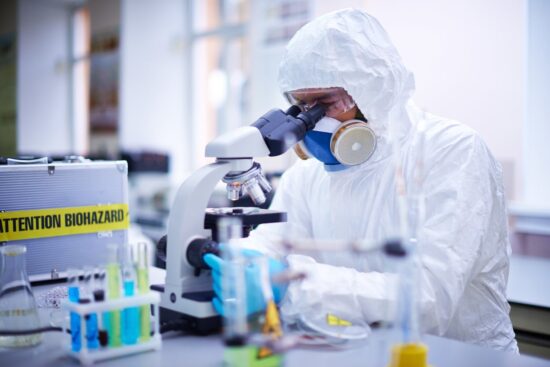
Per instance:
(89,356)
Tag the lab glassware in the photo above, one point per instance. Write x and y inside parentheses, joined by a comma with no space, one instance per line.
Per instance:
(113,318)
(265,324)
(143,288)
(251,318)
(86,296)
(74,296)
(233,283)
(130,315)
(17,304)
(99,296)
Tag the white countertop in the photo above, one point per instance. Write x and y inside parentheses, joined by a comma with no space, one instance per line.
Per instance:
(186,350)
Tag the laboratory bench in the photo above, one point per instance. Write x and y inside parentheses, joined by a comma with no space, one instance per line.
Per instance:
(180,350)
(186,350)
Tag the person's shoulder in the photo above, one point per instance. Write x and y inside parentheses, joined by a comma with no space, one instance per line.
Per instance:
(445,135)
(453,149)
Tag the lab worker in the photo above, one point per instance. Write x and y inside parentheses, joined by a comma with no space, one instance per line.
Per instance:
(346,61)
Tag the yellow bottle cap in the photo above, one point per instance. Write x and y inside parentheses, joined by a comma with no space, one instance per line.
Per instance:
(409,355)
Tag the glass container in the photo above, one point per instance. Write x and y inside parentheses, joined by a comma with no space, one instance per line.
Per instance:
(17,304)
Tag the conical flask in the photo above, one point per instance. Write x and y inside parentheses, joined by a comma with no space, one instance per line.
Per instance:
(17,304)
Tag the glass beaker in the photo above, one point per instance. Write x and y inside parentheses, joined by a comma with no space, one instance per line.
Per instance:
(17,304)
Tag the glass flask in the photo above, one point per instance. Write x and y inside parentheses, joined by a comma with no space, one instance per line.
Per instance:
(17,305)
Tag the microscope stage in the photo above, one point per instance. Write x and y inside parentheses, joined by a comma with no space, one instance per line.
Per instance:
(250,216)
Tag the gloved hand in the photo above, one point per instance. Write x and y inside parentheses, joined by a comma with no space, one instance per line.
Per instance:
(255,300)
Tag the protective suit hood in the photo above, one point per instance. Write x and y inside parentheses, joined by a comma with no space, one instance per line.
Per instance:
(350,49)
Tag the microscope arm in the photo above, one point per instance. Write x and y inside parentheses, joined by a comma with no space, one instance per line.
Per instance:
(246,141)
(233,152)
(186,222)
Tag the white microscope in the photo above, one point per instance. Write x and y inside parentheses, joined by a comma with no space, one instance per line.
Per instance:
(187,294)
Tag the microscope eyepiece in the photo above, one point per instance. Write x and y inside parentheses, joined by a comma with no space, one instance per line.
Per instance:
(293,110)
(312,116)
(281,130)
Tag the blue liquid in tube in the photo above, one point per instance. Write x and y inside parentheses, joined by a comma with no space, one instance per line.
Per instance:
(130,317)
(76,342)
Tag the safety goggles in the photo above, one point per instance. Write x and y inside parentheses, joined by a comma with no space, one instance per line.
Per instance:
(336,100)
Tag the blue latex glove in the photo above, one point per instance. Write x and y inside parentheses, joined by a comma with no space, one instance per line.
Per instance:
(254,298)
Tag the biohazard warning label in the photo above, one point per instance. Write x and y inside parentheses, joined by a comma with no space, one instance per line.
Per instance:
(38,223)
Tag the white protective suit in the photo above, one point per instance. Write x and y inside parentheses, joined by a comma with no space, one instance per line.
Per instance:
(463,241)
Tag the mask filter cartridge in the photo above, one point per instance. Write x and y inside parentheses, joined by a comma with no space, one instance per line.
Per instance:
(349,143)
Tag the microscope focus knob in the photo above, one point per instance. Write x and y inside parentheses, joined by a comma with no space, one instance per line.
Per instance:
(198,248)
(161,248)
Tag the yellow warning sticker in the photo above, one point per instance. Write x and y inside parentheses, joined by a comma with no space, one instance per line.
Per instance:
(39,223)
(333,320)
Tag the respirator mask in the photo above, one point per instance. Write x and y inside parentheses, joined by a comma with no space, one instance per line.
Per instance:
(337,144)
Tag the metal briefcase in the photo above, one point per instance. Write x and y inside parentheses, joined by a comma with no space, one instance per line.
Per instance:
(65,213)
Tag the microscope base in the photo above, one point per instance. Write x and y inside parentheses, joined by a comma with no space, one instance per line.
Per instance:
(174,320)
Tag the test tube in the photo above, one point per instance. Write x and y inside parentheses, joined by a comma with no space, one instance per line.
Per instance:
(143,288)
(99,296)
(73,293)
(113,292)
(130,315)
(92,341)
